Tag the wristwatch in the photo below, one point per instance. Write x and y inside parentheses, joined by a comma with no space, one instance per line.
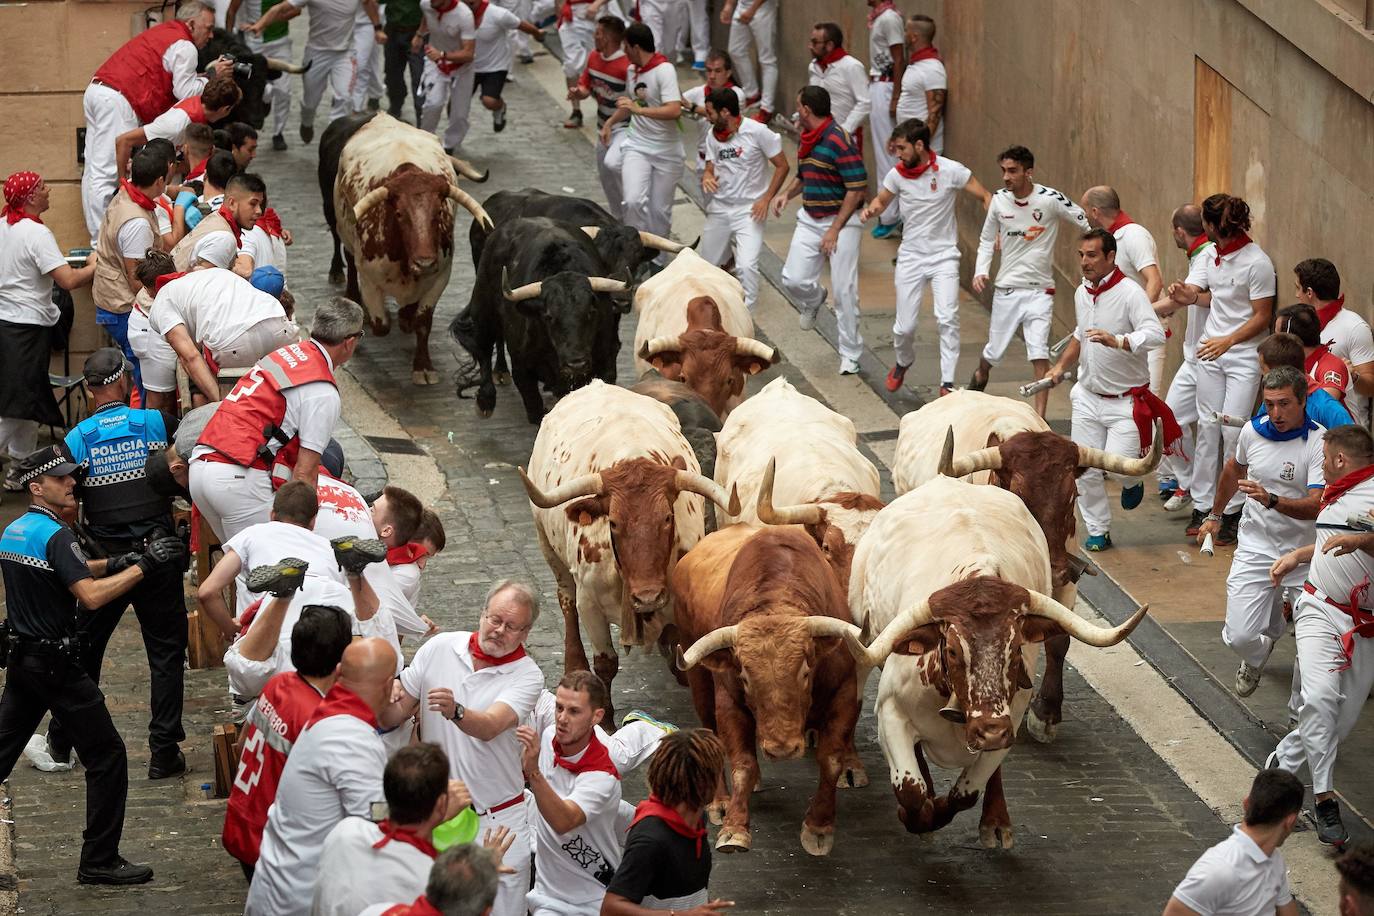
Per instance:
(1272,502)
(459,710)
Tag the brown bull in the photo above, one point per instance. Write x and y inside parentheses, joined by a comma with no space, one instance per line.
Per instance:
(706,359)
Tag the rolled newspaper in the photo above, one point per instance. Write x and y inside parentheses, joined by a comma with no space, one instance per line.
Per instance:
(1207,548)
(1361,522)
(1226,420)
(1059,346)
(1046,382)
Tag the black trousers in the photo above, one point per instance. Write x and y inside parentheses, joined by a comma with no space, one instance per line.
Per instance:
(32,688)
(396,59)
(160,605)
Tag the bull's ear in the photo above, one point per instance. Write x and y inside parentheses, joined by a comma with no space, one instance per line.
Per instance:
(531,308)
(585,511)
(919,641)
(679,462)
(720,661)
(668,363)
(751,365)
(1039,629)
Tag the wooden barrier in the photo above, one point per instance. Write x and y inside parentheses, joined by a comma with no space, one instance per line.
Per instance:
(205,645)
(226,739)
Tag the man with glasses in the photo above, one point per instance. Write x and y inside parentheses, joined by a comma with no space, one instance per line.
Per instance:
(471,690)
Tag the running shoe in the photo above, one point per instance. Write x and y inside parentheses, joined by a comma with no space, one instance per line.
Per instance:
(356,554)
(1330,830)
(1097,543)
(574,120)
(1247,679)
(307,133)
(278,142)
(1132,496)
(1167,486)
(639,715)
(1195,523)
(946,388)
(763,116)
(1230,526)
(281,578)
(1180,499)
(883,230)
(849,367)
(498,119)
(806,318)
(896,376)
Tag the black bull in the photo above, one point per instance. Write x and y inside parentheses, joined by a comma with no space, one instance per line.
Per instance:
(252,109)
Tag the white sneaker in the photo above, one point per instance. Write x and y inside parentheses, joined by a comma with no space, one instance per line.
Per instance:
(1180,500)
(849,367)
(1247,679)
(806,319)
(37,752)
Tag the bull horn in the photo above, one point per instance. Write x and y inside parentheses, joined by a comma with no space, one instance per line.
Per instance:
(748,346)
(878,651)
(607,285)
(821,627)
(947,454)
(592,231)
(658,242)
(283,66)
(586,485)
(985,459)
(806,514)
(714,641)
(472,206)
(705,486)
(654,346)
(528,291)
(1120,464)
(468,170)
(368,201)
(1080,629)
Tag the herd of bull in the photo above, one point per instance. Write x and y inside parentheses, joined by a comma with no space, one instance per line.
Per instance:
(745,539)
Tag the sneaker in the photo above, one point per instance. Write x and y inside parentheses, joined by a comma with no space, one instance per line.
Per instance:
(1132,496)
(806,318)
(281,578)
(699,66)
(120,872)
(883,230)
(374,104)
(525,57)
(278,143)
(849,367)
(1097,543)
(307,133)
(574,120)
(639,715)
(1167,486)
(1247,679)
(896,376)
(1230,525)
(41,757)
(763,116)
(946,388)
(1179,499)
(356,554)
(163,767)
(1195,523)
(1330,830)
(12,484)
(498,119)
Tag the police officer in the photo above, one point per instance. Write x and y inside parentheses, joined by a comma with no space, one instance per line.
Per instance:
(121,513)
(46,574)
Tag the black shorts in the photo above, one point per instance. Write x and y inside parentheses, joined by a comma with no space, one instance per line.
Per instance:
(490,84)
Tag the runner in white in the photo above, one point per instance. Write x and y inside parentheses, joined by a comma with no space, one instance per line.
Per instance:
(494,54)
(472,690)
(1278,466)
(719,75)
(1114,331)
(754,22)
(1023,221)
(886,63)
(367,62)
(922,89)
(842,75)
(696,35)
(604,79)
(1241,279)
(738,187)
(666,19)
(1332,621)
(577,20)
(925,187)
(1343,330)
(449,37)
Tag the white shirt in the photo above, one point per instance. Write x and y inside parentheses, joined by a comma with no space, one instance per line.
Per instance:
(1197,314)
(1028,229)
(493,51)
(1349,337)
(269,542)
(742,162)
(847,82)
(265,250)
(697,96)
(163,214)
(449,31)
(182,60)
(567,864)
(887,30)
(170,125)
(407,576)
(1123,310)
(135,238)
(215,305)
(930,234)
(1338,576)
(653,88)
(352,874)
(331,24)
(918,78)
(334,771)
(1288,470)
(1135,251)
(490,769)
(1235,878)
(1241,277)
(28,253)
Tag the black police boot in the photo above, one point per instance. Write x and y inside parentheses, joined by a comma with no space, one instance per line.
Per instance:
(120,871)
(162,766)
(280,578)
(1330,830)
(356,554)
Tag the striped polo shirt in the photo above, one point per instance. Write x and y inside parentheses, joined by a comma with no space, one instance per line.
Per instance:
(605,79)
(834,167)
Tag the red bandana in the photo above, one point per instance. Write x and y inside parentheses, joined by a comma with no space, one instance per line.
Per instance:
(228,215)
(340,701)
(1113,278)
(809,138)
(18,189)
(439,11)
(270,223)
(195,108)
(654,807)
(878,9)
(907,171)
(478,12)
(830,58)
(493,661)
(1337,488)
(1197,243)
(651,63)
(1236,244)
(1326,312)
(930,53)
(1147,408)
(1122,219)
(165,279)
(421,907)
(405,835)
(137,196)
(405,553)
(197,171)
(595,759)
(722,136)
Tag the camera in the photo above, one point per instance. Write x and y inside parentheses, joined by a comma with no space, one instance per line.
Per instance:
(243,70)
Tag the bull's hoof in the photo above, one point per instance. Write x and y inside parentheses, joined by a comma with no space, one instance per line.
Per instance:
(1039,729)
(817,841)
(995,836)
(853,776)
(484,412)
(715,811)
(405,319)
(533,418)
(424,377)
(381,327)
(336,277)
(502,378)
(811,737)
(733,839)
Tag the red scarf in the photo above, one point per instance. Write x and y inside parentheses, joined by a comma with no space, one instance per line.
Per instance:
(830,58)
(654,807)
(651,63)
(13,216)
(340,701)
(907,171)
(165,279)
(720,135)
(1335,489)
(137,196)
(493,661)
(405,553)
(421,907)
(1122,219)
(595,759)
(195,108)
(809,138)
(1197,243)
(478,12)
(930,53)
(228,215)
(1364,621)
(1329,311)
(270,223)
(439,11)
(878,10)
(197,170)
(1236,244)
(1113,278)
(1147,408)
(407,835)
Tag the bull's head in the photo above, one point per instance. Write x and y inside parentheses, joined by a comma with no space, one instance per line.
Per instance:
(706,359)
(623,248)
(976,628)
(636,496)
(417,225)
(774,657)
(568,305)
(1041,468)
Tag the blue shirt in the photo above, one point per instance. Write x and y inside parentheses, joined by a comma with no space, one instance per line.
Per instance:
(40,560)
(111,446)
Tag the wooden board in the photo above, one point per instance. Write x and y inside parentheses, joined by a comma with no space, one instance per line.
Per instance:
(226,761)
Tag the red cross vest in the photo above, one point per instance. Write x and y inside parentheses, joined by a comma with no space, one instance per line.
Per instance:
(137,73)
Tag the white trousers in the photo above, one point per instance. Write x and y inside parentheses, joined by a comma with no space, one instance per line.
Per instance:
(762,29)
(108,114)
(510,893)
(911,278)
(633,744)
(578,39)
(1254,606)
(157,361)
(1227,385)
(278,91)
(1182,400)
(18,437)
(732,225)
(230,498)
(367,61)
(666,19)
(452,91)
(1107,424)
(649,182)
(880,127)
(256,342)
(801,274)
(608,163)
(332,69)
(700,25)
(1331,700)
(1027,309)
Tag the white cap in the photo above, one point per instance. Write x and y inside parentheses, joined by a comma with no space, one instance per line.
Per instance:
(217,248)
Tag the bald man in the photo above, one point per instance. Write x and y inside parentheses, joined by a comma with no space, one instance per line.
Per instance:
(334,771)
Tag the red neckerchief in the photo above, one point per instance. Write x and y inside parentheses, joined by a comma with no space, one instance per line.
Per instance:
(404,553)
(878,10)
(14,216)
(651,63)
(1122,219)
(478,12)
(421,907)
(197,170)
(1197,243)
(228,215)
(1236,244)
(1147,408)
(830,58)
(907,171)
(195,108)
(270,223)
(1326,312)
(930,53)
(595,759)
(1338,488)
(809,138)
(654,807)
(439,11)
(340,701)
(137,196)
(405,835)
(1113,278)
(165,279)
(493,660)
(722,137)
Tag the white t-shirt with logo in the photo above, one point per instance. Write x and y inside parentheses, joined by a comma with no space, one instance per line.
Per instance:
(697,96)
(651,89)
(1026,230)
(215,305)
(930,234)
(918,78)
(493,51)
(1287,469)
(887,30)
(742,162)
(1242,276)
(28,253)
(575,867)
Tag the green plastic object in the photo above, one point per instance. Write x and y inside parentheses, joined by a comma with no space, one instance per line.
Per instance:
(461,829)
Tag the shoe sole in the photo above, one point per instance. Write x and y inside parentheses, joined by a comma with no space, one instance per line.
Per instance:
(116,882)
(181,772)
(373,549)
(645,717)
(261,578)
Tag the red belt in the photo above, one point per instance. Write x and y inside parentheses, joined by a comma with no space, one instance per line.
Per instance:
(880,79)
(508,803)
(1364,620)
